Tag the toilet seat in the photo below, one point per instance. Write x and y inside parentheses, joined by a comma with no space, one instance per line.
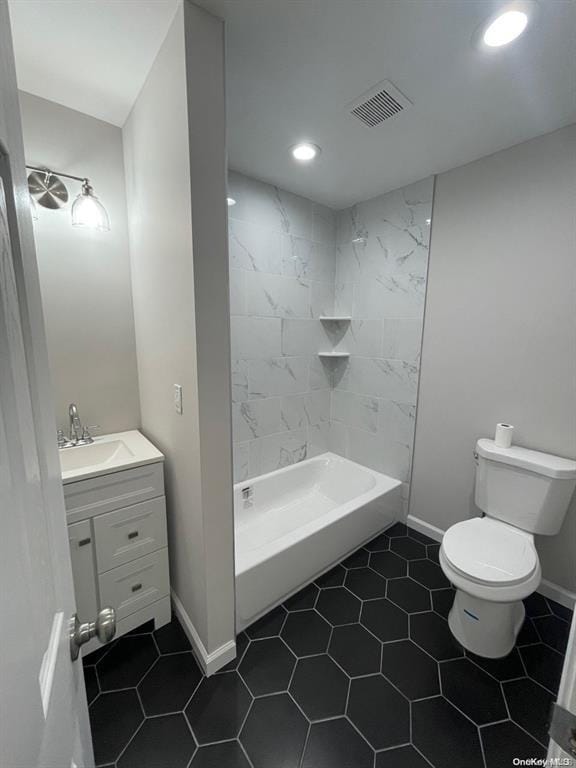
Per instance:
(490,559)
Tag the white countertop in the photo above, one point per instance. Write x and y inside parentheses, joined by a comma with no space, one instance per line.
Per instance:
(108,453)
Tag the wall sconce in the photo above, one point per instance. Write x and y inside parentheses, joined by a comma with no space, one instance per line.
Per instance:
(48,190)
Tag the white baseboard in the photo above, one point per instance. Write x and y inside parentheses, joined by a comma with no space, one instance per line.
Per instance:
(559,594)
(426,528)
(547,588)
(210,662)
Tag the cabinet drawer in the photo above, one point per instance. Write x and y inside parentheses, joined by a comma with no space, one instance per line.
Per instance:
(129,533)
(83,569)
(104,493)
(135,585)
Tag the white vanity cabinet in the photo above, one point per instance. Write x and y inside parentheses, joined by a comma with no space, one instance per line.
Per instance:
(118,546)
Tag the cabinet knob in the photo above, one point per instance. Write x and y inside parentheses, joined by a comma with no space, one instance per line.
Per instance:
(133,534)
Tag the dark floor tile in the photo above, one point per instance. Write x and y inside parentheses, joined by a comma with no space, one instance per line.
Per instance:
(560,610)
(306,633)
(171,638)
(242,641)
(473,691)
(410,669)
(93,658)
(408,548)
(433,553)
(338,606)
(274,733)
(428,574)
(432,633)
(381,714)
(543,665)
(507,668)
(379,544)
(365,583)
(333,578)
(401,757)
(417,536)
(335,744)
(506,742)
(528,634)
(229,754)
(114,719)
(442,601)
(536,605)
(267,666)
(385,620)
(355,650)
(269,625)
(445,736)
(319,687)
(143,629)
(357,559)
(530,707)
(388,564)
(410,596)
(303,600)
(170,683)
(162,742)
(127,662)
(218,708)
(91,682)
(398,529)
(553,631)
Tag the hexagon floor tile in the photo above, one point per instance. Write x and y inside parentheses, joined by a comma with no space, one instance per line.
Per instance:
(357,669)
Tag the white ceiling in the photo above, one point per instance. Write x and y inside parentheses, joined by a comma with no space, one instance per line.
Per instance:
(90,55)
(294,65)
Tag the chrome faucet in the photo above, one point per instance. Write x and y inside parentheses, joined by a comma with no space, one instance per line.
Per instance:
(79,434)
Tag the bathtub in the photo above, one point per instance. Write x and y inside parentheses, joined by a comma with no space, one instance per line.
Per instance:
(293,524)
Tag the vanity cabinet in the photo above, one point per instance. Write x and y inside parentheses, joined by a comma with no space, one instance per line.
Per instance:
(118,546)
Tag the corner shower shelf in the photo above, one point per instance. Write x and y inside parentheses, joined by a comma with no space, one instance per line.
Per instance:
(335,319)
(334,355)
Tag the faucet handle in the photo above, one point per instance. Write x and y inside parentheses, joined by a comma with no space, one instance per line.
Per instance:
(89,430)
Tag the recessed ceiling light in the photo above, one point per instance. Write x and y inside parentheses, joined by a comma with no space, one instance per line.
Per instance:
(506,25)
(230,201)
(305,151)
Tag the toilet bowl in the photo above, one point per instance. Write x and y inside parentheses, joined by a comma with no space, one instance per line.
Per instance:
(492,560)
(493,566)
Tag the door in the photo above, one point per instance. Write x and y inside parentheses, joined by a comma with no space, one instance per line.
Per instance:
(43,710)
(562,749)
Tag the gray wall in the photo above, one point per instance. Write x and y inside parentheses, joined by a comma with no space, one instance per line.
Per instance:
(381,284)
(85,275)
(500,330)
(282,279)
(177,235)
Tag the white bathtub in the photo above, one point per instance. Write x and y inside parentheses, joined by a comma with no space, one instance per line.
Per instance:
(295,523)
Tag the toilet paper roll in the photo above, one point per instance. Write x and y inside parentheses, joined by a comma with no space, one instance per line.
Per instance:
(503,436)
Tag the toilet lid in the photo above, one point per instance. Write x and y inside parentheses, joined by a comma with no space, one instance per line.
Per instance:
(489,551)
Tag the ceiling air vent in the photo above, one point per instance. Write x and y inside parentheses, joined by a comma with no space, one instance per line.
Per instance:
(379,104)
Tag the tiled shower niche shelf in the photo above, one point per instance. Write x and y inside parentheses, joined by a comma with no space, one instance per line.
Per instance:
(335,318)
(334,355)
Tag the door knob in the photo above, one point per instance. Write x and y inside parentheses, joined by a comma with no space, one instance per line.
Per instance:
(104,628)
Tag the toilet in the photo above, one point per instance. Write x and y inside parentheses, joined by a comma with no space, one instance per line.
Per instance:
(492,560)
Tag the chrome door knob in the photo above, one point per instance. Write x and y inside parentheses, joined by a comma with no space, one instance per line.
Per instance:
(104,628)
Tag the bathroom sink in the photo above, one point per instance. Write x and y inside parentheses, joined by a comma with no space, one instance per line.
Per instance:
(108,453)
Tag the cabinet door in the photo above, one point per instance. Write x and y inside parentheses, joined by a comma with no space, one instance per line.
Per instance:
(83,569)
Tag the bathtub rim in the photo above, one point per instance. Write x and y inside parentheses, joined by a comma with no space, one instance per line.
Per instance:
(384,484)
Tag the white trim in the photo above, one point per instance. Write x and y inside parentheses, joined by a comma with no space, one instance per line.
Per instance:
(557,593)
(426,528)
(210,662)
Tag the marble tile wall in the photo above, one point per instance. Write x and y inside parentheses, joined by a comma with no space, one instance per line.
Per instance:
(291,261)
(381,265)
(282,271)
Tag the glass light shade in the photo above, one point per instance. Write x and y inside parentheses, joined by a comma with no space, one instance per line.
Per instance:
(88,211)
(505,28)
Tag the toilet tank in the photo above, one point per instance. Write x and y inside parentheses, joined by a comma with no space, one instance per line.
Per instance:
(527,489)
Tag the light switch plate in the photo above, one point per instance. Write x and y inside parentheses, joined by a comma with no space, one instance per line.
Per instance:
(177,398)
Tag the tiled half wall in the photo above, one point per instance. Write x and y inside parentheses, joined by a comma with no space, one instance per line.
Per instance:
(293,261)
